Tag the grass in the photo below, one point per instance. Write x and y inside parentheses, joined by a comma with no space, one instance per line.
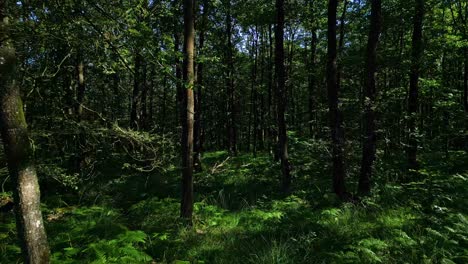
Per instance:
(240,217)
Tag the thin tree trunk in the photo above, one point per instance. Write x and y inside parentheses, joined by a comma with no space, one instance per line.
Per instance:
(311,80)
(254,90)
(80,93)
(336,119)
(152,88)
(262,130)
(341,41)
(416,54)
(164,107)
(80,142)
(369,136)
(19,153)
(271,105)
(198,98)
(289,80)
(232,109)
(116,97)
(281,95)
(136,94)
(465,79)
(142,122)
(188,113)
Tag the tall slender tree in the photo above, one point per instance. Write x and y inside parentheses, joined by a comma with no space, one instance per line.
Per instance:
(281,97)
(136,94)
(232,107)
(369,136)
(336,116)
(19,153)
(311,83)
(198,145)
(187,111)
(417,50)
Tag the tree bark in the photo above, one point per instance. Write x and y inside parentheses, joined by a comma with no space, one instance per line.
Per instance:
(311,80)
(465,79)
(80,93)
(198,98)
(369,136)
(142,122)
(336,119)
(136,94)
(281,95)
(178,75)
(232,108)
(416,56)
(341,41)
(188,112)
(254,92)
(19,153)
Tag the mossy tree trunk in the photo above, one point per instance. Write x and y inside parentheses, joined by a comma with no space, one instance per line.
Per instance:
(18,151)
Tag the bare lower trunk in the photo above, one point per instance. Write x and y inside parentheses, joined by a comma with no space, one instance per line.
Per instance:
(416,53)
(311,79)
(232,107)
(336,116)
(369,136)
(465,79)
(281,95)
(187,113)
(198,143)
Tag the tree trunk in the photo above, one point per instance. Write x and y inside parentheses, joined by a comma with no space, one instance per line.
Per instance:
(80,93)
(311,85)
(465,79)
(336,122)
(232,108)
(142,122)
(19,153)
(136,94)
(271,105)
(281,95)
(152,88)
(116,98)
(187,112)
(198,98)
(416,56)
(341,42)
(254,92)
(369,136)
(178,75)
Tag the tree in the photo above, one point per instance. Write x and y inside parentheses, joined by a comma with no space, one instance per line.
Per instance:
(19,153)
(336,116)
(369,136)
(416,59)
(187,111)
(311,84)
(232,106)
(281,96)
(198,146)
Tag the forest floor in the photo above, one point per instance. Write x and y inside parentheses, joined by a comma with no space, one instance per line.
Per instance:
(240,217)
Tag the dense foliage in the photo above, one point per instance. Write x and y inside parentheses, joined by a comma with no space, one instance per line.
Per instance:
(102,84)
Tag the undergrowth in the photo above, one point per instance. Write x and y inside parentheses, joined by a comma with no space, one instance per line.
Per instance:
(240,217)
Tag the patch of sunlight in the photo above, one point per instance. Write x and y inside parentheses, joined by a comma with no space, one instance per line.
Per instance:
(396,218)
